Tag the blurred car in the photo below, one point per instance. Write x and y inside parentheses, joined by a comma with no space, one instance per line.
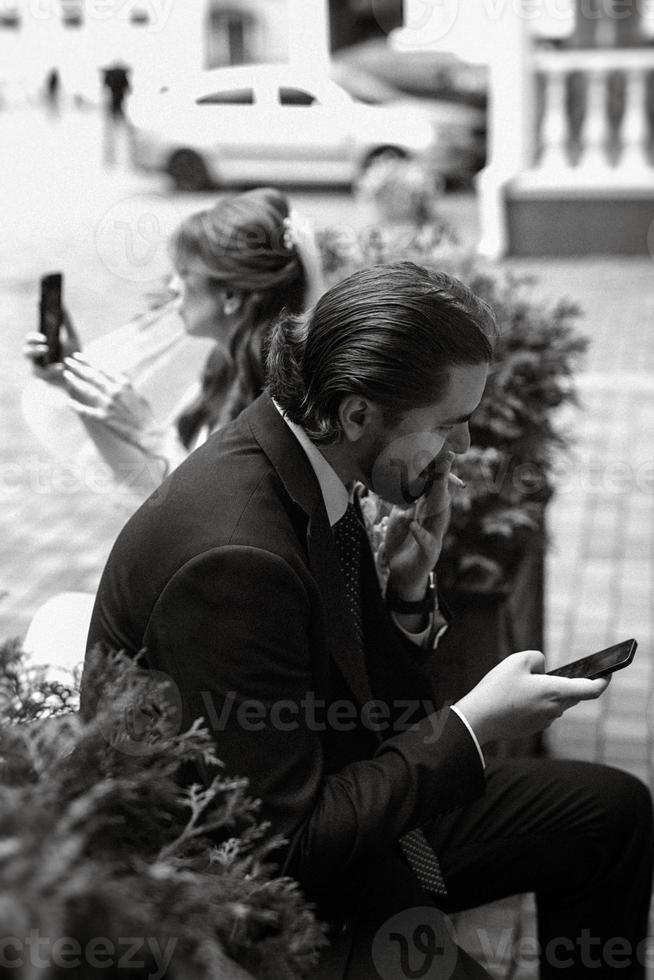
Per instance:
(452,92)
(459,128)
(269,124)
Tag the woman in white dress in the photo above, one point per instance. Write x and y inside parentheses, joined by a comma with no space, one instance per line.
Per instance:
(237,265)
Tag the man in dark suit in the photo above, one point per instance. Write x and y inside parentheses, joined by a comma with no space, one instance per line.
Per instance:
(247,580)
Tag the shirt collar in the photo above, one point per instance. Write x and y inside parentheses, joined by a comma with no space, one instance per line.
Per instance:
(334,492)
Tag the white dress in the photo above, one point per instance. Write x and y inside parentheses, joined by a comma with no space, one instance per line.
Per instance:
(164,365)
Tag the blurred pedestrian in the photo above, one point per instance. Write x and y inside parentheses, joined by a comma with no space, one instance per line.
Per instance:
(53,92)
(116,87)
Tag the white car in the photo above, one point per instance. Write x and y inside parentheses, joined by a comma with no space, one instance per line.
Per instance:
(268,124)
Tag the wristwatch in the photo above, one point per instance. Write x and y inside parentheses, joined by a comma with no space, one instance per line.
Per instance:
(412,608)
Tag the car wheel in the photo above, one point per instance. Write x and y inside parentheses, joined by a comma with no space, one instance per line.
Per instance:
(189,171)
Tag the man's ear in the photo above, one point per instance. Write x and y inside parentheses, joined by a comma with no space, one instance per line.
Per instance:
(232,301)
(354,414)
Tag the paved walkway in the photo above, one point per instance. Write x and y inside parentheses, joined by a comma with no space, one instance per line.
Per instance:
(600,563)
(601,522)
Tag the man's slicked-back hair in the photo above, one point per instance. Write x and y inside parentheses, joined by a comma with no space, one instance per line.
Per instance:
(388,333)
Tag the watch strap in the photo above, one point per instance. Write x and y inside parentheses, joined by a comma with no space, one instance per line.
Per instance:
(413,607)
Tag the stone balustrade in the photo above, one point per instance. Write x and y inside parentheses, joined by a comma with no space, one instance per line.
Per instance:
(596,118)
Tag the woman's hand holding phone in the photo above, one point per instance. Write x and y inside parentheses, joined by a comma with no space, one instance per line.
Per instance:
(35,349)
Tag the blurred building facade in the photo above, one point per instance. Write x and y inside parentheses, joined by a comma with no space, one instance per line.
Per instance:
(156,37)
(571,119)
(79,37)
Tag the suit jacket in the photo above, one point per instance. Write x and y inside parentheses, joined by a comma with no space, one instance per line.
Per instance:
(229,578)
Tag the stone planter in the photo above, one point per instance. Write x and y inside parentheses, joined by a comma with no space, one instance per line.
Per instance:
(486,627)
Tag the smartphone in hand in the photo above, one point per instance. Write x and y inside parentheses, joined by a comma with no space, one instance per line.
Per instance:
(601,663)
(51,316)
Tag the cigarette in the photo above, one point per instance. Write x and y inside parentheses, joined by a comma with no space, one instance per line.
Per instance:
(456,480)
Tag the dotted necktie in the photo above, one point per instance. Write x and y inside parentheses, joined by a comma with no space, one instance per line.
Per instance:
(348,537)
(347,534)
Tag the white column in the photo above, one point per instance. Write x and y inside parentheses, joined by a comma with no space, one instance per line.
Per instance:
(496,34)
(595,130)
(634,124)
(510,123)
(308,34)
(647,19)
(554,126)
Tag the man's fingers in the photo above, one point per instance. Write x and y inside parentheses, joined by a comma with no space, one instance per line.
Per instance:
(436,520)
(581,688)
(444,465)
(437,501)
(535,660)
(424,538)
(398,526)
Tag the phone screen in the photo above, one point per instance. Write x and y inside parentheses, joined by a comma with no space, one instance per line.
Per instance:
(51,315)
(601,663)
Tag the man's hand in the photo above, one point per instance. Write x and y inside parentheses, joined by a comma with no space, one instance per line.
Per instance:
(516,698)
(414,536)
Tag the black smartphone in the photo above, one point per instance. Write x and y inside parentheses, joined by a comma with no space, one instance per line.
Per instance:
(51,316)
(601,663)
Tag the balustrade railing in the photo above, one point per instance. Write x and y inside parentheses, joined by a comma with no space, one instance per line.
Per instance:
(596,115)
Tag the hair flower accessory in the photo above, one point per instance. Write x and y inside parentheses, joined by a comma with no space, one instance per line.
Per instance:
(289,237)
(298,238)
